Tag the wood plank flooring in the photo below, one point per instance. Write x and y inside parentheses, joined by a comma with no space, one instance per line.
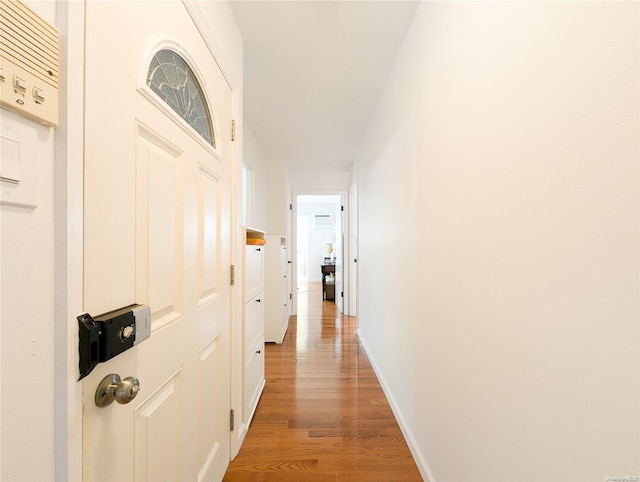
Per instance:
(322,416)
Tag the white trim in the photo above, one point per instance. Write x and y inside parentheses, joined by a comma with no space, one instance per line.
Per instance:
(146,132)
(345,245)
(69,225)
(237,255)
(406,431)
(200,22)
(353,251)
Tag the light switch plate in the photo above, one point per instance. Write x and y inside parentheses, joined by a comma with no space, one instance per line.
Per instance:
(18,160)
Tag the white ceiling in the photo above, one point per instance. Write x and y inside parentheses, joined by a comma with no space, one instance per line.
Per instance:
(313,74)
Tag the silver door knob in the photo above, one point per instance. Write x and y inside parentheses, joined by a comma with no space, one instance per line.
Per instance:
(112,388)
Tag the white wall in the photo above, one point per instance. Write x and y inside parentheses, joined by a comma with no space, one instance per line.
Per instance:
(27,268)
(302,180)
(255,159)
(27,311)
(500,174)
(278,198)
(271,187)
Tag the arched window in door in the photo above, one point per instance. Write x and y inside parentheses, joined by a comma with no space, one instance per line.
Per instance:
(174,82)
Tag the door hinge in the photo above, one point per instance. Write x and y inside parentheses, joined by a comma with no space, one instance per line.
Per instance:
(342,294)
(233,130)
(232,420)
(290,207)
(232,274)
(341,208)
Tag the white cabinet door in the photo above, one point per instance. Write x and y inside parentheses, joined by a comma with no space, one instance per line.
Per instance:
(253,330)
(253,322)
(254,271)
(276,289)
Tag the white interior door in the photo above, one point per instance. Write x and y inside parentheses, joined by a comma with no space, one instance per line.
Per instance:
(340,271)
(157,217)
(339,276)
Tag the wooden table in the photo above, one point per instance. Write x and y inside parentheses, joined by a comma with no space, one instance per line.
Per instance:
(328,294)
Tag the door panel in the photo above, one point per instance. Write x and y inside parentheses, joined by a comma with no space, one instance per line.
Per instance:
(209,408)
(158,433)
(157,226)
(208,243)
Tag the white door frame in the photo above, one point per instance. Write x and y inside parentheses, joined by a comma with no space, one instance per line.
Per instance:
(69,251)
(345,244)
(353,251)
(69,214)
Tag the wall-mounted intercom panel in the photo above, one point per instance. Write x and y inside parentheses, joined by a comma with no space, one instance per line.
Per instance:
(106,336)
(29,62)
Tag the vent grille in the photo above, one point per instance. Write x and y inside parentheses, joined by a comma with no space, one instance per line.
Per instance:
(324,220)
(28,41)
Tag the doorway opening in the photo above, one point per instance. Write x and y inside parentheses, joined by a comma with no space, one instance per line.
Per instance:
(320,221)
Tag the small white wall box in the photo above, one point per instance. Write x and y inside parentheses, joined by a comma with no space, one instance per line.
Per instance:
(29,59)
(18,160)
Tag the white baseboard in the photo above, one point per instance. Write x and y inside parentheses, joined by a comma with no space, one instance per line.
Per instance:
(236,444)
(406,431)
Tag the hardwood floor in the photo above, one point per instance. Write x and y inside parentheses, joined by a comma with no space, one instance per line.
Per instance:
(322,416)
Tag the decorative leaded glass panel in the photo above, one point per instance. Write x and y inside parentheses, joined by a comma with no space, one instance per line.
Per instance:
(170,77)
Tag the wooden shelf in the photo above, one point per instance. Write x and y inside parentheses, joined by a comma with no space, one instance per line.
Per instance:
(255,236)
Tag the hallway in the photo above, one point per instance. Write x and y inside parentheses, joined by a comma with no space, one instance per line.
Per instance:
(322,416)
